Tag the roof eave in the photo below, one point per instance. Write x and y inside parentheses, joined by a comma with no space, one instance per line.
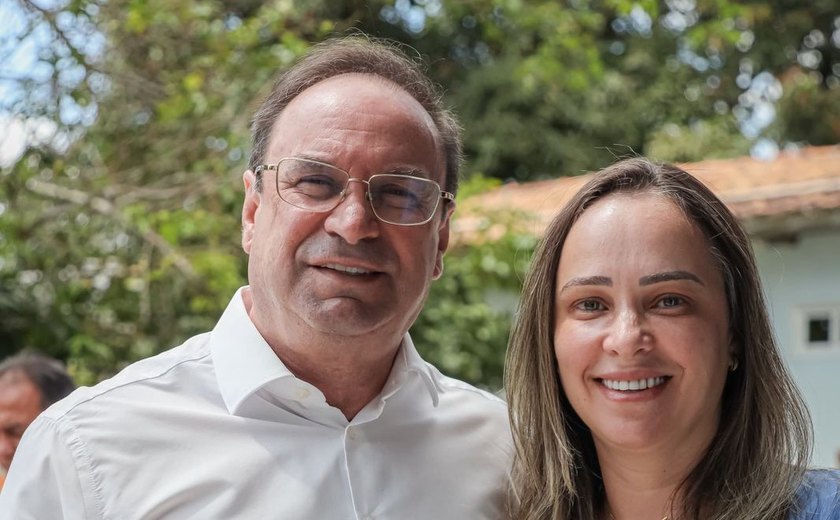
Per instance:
(787,227)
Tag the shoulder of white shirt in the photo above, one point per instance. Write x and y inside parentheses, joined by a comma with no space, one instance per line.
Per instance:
(194,349)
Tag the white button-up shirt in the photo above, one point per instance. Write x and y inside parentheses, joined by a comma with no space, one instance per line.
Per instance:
(219,428)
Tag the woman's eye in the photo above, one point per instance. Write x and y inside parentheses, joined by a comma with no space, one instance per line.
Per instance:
(589,305)
(670,301)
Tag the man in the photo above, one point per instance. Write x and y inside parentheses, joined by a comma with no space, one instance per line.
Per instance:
(29,383)
(308,398)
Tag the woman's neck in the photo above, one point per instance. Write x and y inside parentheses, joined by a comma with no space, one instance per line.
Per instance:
(643,485)
(642,481)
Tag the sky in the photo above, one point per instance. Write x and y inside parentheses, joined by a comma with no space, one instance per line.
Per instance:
(20,47)
(14,58)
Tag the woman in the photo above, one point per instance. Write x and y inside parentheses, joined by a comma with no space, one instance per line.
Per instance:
(642,376)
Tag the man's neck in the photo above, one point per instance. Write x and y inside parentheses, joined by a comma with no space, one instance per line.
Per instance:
(347,382)
(347,370)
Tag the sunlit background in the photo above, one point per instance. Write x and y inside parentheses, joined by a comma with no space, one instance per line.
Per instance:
(124,133)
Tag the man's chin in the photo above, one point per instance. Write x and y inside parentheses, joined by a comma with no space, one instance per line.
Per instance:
(349,316)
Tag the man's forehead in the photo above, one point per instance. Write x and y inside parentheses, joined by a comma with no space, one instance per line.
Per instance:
(14,377)
(324,118)
(346,90)
(15,385)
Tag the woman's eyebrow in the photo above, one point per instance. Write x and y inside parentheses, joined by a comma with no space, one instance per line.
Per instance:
(668,276)
(587,280)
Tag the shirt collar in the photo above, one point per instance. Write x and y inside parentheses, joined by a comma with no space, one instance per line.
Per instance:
(244,362)
(408,361)
(242,359)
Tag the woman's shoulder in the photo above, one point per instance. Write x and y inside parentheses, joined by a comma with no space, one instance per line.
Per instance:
(818,497)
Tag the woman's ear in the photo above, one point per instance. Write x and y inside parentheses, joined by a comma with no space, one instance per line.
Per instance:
(734,354)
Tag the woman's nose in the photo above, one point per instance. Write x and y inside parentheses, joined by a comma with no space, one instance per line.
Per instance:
(627,335)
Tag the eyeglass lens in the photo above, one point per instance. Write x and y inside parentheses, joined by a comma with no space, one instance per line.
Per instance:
(395,198)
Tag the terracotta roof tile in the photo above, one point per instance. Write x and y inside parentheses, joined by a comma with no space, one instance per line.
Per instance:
(796,183)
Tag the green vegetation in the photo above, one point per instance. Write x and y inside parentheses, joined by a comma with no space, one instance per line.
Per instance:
(120,237)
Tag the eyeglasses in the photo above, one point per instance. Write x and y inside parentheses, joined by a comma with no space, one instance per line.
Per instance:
(403,200)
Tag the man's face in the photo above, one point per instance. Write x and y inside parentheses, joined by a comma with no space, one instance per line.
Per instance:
(20,404)
(344,273)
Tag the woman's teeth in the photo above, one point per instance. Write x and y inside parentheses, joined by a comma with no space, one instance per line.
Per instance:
(634,384)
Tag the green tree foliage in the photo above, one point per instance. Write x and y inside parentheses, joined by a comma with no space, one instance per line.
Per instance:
(119,236)
(557,88)
(466,321)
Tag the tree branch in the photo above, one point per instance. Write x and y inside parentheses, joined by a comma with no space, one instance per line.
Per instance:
(105,207)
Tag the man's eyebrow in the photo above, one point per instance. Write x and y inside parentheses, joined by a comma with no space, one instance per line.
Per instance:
(668,276)
(587,280)
(407,170)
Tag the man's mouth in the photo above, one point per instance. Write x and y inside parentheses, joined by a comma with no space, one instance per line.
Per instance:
(356,271)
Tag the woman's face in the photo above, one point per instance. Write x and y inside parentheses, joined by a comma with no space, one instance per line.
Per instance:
(641,326)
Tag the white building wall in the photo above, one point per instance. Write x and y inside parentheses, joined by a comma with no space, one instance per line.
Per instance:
(799,278)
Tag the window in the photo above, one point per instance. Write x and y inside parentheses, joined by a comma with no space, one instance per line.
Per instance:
(820,328)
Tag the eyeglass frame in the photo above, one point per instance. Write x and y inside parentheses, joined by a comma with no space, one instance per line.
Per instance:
(445,195)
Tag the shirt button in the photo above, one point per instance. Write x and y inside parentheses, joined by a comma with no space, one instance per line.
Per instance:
(351,434)
(303,393)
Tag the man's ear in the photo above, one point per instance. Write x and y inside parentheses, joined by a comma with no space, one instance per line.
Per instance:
(249,209)
(443,239)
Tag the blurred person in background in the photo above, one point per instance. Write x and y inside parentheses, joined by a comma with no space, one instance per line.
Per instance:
(643,379)
(29,384)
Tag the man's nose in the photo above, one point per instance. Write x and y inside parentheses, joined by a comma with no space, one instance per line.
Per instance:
(353,219)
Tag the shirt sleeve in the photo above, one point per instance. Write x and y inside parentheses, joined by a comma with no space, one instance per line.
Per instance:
(50,477)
